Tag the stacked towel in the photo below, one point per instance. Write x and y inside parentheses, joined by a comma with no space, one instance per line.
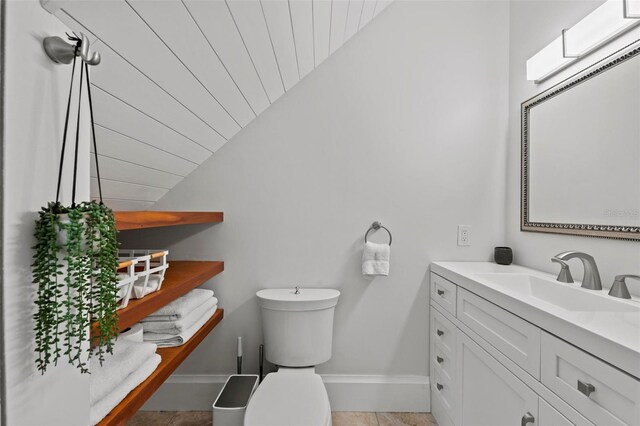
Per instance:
(103,407)
(375,259)
(129,365)
(176,323)
(183,304)
(183,323)
(126,358)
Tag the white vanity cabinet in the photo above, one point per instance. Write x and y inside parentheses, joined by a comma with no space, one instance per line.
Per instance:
(549,416)
(489,393)
(491,367)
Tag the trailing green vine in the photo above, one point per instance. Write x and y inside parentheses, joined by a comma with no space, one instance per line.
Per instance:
(75,263)
(101,227)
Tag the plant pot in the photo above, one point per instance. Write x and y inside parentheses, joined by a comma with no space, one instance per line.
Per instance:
(63,238)
(67,264)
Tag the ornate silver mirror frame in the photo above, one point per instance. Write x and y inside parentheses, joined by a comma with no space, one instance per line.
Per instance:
(589,230)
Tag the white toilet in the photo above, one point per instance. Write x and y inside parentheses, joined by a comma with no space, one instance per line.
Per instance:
(298,329)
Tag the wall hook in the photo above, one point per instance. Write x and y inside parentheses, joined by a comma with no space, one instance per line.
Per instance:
(62,52)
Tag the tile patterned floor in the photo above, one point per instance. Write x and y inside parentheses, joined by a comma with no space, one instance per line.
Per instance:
(339,418)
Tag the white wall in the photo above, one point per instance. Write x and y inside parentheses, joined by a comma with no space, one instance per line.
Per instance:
(405,124)
(534,24)
(34,106)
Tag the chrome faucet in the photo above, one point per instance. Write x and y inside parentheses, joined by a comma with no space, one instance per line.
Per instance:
(564,276)
(619,287)
(591,278)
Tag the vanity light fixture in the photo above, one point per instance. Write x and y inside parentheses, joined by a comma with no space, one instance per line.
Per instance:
(607,22)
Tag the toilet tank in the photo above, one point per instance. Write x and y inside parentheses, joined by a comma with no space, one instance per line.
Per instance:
(298,327)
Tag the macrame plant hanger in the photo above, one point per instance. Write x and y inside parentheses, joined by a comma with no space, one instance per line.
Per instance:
(62,52)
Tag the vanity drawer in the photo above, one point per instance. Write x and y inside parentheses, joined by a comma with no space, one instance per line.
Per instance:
(444,362)
(614,396)
(443,292)
(443,332)
(440,411)
(516,338)
(443,390)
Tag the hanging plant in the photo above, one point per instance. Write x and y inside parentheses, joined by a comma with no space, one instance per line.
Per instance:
(74,267)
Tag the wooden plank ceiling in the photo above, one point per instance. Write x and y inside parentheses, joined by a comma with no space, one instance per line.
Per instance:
(179,78)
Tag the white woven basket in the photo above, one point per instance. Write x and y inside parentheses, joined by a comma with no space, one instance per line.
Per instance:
(150,270)
(126,278)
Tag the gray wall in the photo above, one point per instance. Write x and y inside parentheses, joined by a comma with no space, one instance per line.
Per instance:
(405,124)
(34,105)
(534,24)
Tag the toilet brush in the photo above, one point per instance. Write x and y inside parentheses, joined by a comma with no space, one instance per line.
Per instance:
(239,355)
(261,360)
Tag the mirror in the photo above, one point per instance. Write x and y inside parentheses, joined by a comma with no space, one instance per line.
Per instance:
(581,153)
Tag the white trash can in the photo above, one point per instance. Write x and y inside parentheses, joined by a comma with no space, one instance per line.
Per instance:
(231,403)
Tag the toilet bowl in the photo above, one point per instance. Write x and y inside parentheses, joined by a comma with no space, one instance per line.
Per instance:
(290,397)
(298,333)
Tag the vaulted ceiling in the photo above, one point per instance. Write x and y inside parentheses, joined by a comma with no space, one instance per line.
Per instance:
(179,78)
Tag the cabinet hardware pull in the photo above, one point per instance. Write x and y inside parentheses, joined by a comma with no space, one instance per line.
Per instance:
(440,292)
(440,332)
(439,386)
(439,359)
(527,418)
(586,388)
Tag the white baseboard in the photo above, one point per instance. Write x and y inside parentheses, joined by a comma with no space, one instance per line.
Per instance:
(378,393)
(346,393)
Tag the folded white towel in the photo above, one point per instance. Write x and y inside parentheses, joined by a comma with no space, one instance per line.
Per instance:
(173,318)
(182,324)
(126,358)
(101,408)
(375,259)
(182,306)
(168,340)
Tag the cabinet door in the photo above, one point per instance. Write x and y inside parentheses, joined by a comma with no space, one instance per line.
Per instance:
(489,394)
(549,416)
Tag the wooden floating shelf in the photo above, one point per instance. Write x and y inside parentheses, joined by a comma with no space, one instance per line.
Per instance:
(171,359)
(181,277)
(142,219)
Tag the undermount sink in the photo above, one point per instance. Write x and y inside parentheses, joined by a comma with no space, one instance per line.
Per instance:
(565,296)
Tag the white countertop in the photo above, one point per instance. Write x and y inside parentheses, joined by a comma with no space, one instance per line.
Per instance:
(613,337)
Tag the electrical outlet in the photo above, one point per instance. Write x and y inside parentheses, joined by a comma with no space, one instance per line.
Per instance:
(464,235)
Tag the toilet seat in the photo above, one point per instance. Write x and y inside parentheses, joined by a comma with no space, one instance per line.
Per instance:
(290,397)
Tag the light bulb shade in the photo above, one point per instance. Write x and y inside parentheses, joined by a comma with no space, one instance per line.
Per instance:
(603,24)
(547,61)
(632,9)
(599,27)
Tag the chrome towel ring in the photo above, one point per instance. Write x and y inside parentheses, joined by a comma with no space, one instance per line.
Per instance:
(374,227)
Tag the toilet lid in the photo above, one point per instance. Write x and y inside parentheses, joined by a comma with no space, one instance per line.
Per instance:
(289,399)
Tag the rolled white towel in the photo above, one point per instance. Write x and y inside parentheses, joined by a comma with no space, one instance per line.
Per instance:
(133,333)
(139,290)
(182,306)
(182,324)
(102,407)
(375,259)
(169,340)
(127,357)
